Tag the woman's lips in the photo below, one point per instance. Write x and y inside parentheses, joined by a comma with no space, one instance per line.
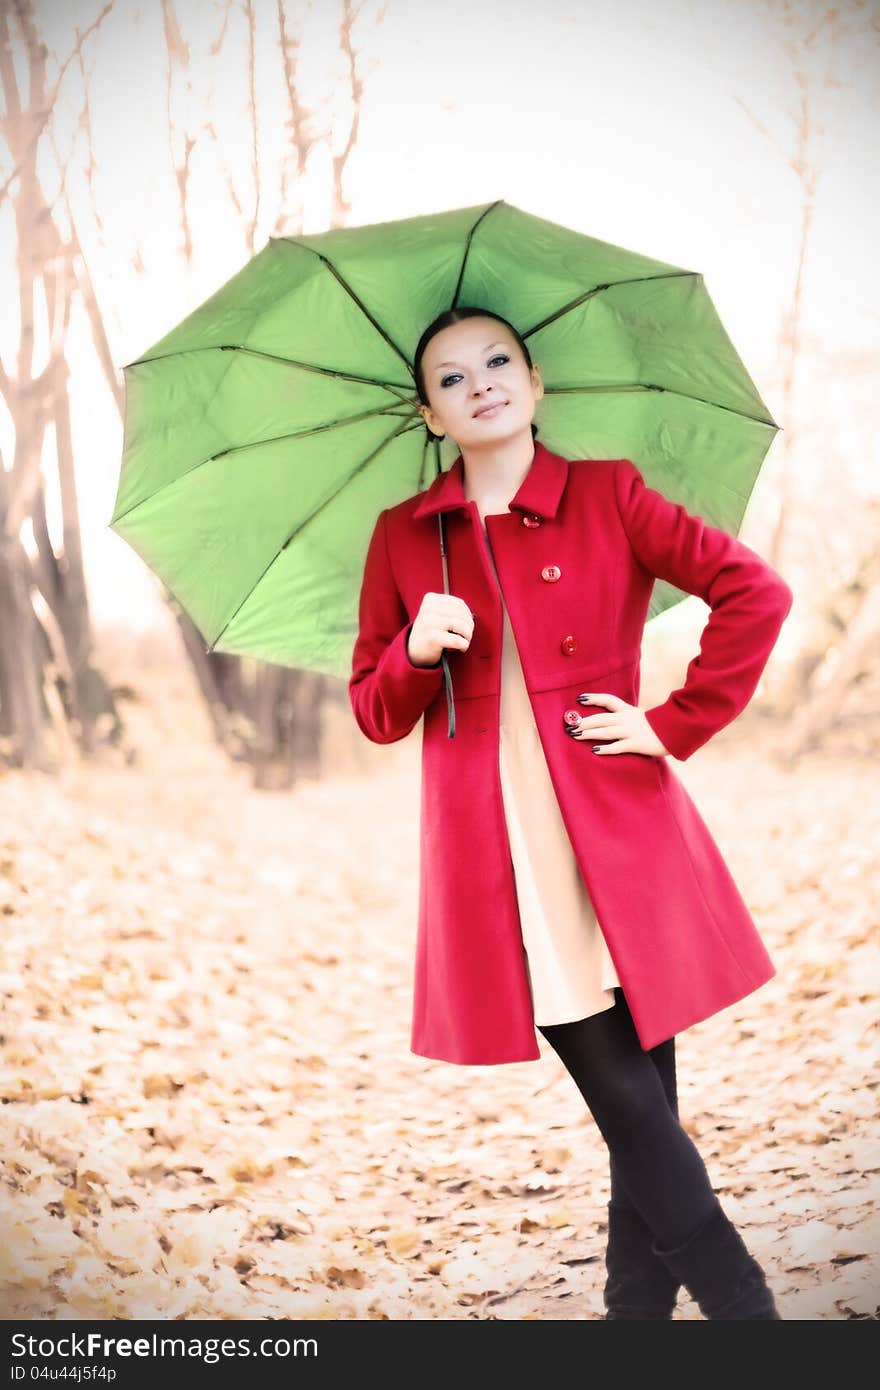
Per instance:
(492,410)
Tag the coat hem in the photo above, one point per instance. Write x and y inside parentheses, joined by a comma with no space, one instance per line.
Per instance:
(434,1056)
(756,983)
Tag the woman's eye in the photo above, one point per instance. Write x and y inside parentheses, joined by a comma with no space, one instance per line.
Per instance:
(453,376)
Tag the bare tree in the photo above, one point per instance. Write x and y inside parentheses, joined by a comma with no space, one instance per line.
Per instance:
(841,657)
(270,716)
(846,622)
(47,671)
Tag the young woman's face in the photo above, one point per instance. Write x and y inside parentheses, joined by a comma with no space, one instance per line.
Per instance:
(471,365)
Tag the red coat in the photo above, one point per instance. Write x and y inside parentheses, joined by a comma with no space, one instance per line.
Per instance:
(682,940)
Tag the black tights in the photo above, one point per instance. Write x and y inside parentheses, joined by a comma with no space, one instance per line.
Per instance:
(632,1096)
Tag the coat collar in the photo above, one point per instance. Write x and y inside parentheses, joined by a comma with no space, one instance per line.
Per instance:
(539,492)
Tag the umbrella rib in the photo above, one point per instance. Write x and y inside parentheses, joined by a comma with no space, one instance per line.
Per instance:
(582,299)
(426,445)
(610,285)
(375,413)
(467,247)
(273,357)
(295,241)
(404,428)
(652,386)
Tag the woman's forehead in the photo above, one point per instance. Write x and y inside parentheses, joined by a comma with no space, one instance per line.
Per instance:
(480,334)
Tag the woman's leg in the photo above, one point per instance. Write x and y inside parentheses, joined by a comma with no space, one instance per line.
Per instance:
(663,1057)
(638,1286)
(631,1095)
(655,1163)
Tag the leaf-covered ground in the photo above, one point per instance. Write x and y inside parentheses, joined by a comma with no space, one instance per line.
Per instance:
(210,1109)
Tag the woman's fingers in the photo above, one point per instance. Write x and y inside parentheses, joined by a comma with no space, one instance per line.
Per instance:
(599,724)
(593,733)
(619,745)
(603,698)
(610,724)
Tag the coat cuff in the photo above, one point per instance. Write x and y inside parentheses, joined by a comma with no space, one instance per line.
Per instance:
(406,689)
(674,730)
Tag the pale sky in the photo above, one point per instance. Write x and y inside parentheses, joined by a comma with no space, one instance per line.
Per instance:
(622,120)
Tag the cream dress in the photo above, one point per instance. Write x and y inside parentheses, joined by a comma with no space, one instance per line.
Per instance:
(571,973)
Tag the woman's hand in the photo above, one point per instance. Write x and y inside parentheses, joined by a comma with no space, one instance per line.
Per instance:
(443,620)
(624,723)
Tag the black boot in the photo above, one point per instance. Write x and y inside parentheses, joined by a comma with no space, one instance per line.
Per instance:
(639,1284)
(719,1273)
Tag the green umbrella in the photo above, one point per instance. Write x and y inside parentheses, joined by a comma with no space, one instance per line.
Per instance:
(265,433)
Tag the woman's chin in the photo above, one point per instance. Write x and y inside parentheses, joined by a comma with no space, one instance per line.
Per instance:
(495,432)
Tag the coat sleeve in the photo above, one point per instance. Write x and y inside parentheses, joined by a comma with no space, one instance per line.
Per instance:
(388,692)
(748,599)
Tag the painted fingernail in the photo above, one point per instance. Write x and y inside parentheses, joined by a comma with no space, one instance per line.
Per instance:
(597,749)
(583,699)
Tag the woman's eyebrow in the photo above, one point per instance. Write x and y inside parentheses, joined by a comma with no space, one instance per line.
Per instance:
(452,364)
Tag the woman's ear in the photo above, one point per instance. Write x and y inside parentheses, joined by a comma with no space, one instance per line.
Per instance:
(425,411)
(537,380)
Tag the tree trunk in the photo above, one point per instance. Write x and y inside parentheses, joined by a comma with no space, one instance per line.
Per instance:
(24,742)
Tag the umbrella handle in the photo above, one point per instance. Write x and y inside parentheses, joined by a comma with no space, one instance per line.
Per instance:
(450,703)
(449,700)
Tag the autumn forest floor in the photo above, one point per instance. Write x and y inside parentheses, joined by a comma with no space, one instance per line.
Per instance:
(210,1109)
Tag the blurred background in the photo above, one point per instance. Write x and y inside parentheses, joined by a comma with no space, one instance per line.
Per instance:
(209,877)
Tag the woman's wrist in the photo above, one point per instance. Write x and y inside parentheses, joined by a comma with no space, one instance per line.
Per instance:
(425,665)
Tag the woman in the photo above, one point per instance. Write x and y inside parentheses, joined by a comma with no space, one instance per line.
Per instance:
(583,896)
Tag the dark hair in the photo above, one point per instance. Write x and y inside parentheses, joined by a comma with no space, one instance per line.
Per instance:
(449,316)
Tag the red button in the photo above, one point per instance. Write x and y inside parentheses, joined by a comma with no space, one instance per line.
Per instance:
(568,645)
(529,519)
(551,573)
(572,716)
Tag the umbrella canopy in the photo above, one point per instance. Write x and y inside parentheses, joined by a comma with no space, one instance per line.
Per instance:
(264,433)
